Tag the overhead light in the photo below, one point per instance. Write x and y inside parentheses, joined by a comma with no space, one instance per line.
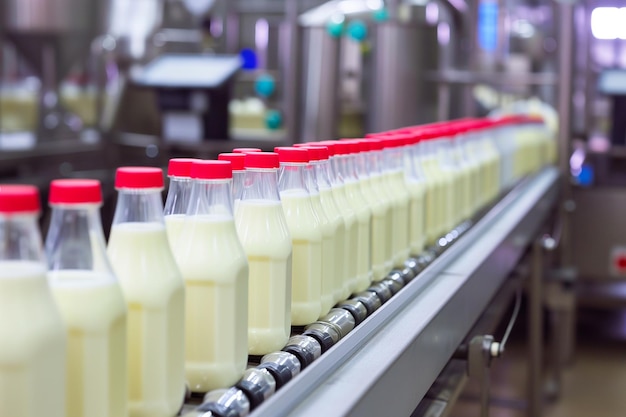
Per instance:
(608,23)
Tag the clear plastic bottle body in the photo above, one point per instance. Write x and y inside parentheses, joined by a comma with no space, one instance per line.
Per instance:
(154,291)
(362,280)
(451,179)
(33,348)
(336,220)
(394,173)
(382,251)
(351,224)
(306,239)
(379,207)
(264,235)
(329,229)
(237,186)
(215,270)
(92,305)
(176,206)
(418,188)
(433,194)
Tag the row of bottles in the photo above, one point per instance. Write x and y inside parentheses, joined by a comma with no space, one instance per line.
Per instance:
(246,247)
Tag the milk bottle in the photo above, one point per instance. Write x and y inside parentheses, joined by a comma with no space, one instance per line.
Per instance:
(349,217)
(306,236)
(468,168)
(239,171)
(154,292)
(379,207)
(265,238)
(90,301)
(435,203)
(381,245)
(394,172)
(177,196)
(363,213)
(329,229)
(321,168)
(32,335)
(416,183)
(215,270)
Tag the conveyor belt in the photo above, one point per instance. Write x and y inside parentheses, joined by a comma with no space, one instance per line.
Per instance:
(387,364)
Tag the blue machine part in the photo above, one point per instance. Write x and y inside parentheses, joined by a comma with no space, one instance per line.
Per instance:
(248,57)
(488,25)
(265,85)
(380,15)
(586,176)
(334,29)
(357,30)
(273,119)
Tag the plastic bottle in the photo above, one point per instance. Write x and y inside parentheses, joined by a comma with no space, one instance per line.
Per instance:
(32,351)
(177,196)
(394,173)
(381,243)
(264,235)
(416,183)
(349,149)
(321,168)
(349,217)
(239,172)
(329,230)
(305,230)
(154,292)
(215,270)
(90,301)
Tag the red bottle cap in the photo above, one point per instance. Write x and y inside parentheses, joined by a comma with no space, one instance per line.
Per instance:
(211,170)
(292,154)
(247,150)
(16,199)
(354,145)
(180,167)
(268,160)
(75,191)
(316,153)
(237,160)
(138,177)
(330,146)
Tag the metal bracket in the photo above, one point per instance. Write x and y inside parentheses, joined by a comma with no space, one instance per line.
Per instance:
(479,354)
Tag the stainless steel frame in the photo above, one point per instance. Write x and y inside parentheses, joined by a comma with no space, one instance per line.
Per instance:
(388,363)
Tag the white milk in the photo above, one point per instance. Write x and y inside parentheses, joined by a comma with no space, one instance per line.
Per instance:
(155,299)
(379,206)
(32,347)
(216,275)
(93,309)
(306,240)
(417,236)
(400,216)
(265,238)
(329,231)
(174,226)
(339,246)
(351,238)
(379,184)
(362,279)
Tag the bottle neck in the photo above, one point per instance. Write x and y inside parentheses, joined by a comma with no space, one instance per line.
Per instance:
(322,176)
(260,184)
(139,206)
(373,164)
(310,179)
(75,239)
(348,169)
(211,198)
(360,165)
(335,171)
(238,184)
(178,196)
(291,177)
(20,238)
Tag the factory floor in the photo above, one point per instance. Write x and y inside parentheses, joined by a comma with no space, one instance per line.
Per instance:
(594,385)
